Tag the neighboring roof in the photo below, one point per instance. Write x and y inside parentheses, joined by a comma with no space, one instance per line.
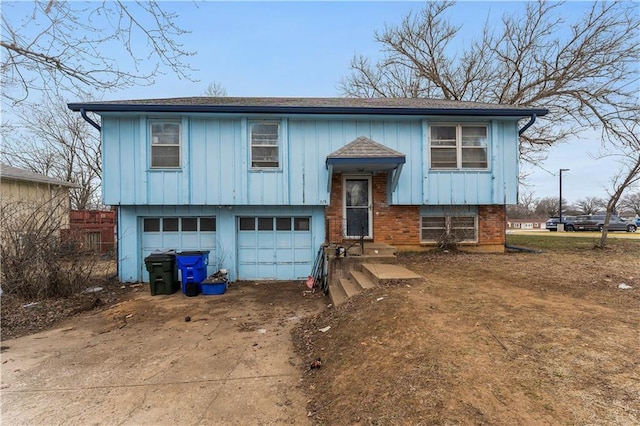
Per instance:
(374,106)
(364,147)
(14,173)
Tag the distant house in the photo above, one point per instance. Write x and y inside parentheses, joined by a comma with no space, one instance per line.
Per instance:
(526,224)
(262,183)
(33,194)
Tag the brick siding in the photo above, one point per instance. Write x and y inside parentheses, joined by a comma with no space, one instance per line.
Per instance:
(400,225)
(491,223)
(394,225)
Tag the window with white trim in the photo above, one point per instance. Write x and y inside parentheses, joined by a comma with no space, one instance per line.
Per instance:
(463,229)
(459,146)
(165,143)
(264,140)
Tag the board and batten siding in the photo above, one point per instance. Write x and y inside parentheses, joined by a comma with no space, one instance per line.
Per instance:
(215,162)
(224,253)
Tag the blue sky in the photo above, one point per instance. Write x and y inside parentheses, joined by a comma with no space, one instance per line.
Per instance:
(304,49)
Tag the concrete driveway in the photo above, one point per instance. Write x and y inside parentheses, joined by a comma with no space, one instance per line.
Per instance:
(140,362)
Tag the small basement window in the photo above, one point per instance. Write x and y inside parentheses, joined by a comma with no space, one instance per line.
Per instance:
(459,229)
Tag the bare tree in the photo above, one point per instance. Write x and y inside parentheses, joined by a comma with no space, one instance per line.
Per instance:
(58,143)
(631,202)
(590,205)
(585,72)
(628,174)
(548,206)
(58,46)
(215,90)
(526,207)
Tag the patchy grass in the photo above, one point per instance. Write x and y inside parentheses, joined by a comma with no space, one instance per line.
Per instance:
(575,243)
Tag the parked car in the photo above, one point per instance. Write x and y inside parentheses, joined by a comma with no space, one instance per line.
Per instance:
(552,223)
(637,222)
(595,222)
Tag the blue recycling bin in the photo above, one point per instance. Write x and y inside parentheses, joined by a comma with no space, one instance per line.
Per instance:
(193,267)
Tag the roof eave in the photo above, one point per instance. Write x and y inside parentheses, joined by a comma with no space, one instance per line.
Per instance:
(263,109)
(40,181)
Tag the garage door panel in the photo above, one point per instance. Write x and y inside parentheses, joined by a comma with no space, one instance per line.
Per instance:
(284,256)
(190,240)
(152,240)
(280,253)
(284,240)
(247,239)
(286,270)
(248,255)
(302,255)
(265,255)
(265,239)
(302,240)
(207,239)
(180,240)
(171,239)
(301,270)
(266,272)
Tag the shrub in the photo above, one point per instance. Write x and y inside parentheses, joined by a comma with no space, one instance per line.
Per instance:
(35,262)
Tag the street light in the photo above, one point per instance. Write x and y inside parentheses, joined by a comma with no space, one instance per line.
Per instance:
(560,222)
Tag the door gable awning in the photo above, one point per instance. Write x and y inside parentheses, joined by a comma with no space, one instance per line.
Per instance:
(365,155)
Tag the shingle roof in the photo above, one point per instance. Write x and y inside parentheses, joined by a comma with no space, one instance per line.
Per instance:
(364,147)
(392,106)
(14,173)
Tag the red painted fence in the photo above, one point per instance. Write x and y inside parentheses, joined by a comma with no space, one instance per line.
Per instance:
(92,230)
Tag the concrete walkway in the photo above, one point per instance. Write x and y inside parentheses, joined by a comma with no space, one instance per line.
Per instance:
(141,363)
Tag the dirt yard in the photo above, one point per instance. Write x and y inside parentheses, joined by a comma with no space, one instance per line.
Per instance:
(516,338)
(519,338)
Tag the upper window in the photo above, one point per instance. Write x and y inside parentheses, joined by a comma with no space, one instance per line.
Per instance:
(165,144)
(265,138)
(459,146)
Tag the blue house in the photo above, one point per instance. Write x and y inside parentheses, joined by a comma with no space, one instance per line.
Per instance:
(262,183)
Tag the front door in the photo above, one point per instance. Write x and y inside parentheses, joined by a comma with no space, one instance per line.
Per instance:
(357,207)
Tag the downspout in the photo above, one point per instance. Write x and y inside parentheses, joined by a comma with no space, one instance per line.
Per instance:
(508,246)
(529,124)
(84,115)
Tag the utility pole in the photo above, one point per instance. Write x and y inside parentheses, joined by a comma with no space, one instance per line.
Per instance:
(560,221)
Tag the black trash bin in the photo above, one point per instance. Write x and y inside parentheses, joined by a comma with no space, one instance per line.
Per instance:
(163,274)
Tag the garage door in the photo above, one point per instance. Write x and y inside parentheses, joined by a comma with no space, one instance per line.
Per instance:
(274,248)
(181,234)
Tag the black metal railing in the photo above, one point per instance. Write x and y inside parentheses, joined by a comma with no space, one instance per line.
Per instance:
(318,277)
(360,241)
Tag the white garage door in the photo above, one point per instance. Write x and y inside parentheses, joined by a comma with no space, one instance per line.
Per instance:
(180,234)
(274,247)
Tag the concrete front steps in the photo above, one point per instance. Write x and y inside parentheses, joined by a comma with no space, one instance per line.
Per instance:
(378,269)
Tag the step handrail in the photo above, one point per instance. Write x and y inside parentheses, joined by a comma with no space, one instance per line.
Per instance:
(319,273)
